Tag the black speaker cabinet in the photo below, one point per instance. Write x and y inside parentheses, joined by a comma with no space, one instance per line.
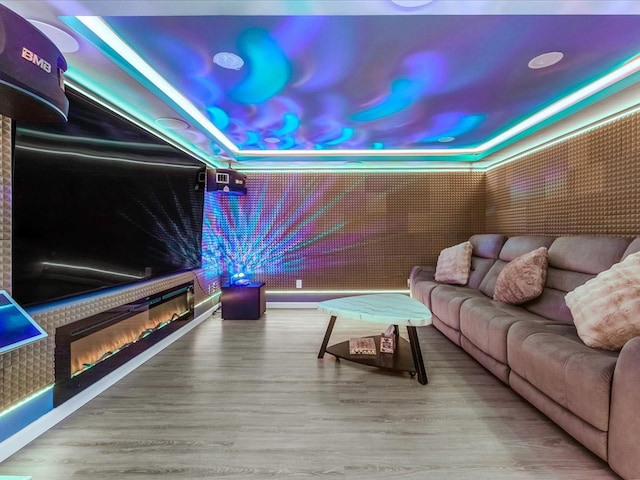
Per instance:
(243,302)
(31,72)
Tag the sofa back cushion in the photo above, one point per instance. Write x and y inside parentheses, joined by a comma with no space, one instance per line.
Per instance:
(633,247)
(518,246)
(513,248)
(486,249)
(572,260)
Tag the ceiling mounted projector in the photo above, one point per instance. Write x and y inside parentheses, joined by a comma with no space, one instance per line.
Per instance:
(223,180)
(31,72)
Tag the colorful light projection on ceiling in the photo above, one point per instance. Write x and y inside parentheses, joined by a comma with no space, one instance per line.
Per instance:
(279,228)
(442,84)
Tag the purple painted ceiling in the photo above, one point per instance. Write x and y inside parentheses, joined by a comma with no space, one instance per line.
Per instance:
(399,83)
(367,82)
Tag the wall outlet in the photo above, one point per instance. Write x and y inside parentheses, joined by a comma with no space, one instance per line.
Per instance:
(298,283)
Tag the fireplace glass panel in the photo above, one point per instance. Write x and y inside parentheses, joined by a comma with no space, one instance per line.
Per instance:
(102,344)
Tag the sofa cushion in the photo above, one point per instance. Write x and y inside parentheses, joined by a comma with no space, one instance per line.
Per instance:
(513,248)
(485,323)
(606,309)
(572,261)
(487,245)
(488,284)
(556,362)
(522,279)
(486,248)
(454,264)
(633,247)
(519,245)
(586,254)
(551,305)
(446,301)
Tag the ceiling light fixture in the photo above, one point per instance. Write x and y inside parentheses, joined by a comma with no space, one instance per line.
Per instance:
(411,3)
(545,60)
(446,139)
(626,70)
(228,60)
(61,39)
(272,140)
(172,123)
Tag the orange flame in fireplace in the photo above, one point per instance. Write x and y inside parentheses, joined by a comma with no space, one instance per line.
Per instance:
(98,346)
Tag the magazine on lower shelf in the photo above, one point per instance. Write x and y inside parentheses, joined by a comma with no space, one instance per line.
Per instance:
(362,346)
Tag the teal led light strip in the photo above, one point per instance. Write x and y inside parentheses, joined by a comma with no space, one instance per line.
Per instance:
(560,139)
(208,299)
(365,168)
(99,27)
(26,400)
(350,292)
(615,76)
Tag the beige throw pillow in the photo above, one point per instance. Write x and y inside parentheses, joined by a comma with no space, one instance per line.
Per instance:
(522,279)
(606,309)
(454,264)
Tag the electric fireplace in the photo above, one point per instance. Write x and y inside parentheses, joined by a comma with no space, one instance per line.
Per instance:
(91,348)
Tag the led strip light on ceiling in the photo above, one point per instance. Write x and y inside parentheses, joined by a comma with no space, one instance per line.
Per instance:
(107,35)
(100,28)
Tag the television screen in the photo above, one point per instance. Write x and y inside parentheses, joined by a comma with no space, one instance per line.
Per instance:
(17,328)
(100,202)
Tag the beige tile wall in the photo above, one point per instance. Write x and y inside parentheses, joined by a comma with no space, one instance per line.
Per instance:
(356,230)
(585,185)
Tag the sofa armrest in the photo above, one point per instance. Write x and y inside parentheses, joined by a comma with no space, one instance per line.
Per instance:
(421,282)
(422,273)
(624,417)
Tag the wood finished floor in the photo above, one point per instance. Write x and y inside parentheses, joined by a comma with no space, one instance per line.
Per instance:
(249,399)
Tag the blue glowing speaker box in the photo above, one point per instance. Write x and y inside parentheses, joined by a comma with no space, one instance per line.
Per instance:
(31,72)
(226,181)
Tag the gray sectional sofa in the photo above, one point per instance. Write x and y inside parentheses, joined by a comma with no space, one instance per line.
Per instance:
(593,394)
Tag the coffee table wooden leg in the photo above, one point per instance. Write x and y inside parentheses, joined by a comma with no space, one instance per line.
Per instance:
(417,355)
(323,348)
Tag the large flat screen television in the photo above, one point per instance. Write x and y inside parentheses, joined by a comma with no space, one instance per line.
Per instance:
(100,202)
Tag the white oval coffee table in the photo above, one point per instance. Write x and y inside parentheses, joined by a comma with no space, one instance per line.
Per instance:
(388,308)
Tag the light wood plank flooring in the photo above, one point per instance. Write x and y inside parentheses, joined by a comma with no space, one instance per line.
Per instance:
(249,399)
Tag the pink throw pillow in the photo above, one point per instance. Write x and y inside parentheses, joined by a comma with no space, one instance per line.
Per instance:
(606,309)
(454,264)
(522,279)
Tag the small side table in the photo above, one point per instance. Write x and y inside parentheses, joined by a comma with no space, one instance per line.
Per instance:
(243,302)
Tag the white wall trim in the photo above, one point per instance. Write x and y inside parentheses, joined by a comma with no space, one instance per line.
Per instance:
(292,305)
(32,431)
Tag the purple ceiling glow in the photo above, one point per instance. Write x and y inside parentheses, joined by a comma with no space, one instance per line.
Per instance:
(359,82)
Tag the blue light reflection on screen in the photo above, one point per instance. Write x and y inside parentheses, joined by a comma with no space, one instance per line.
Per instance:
(16,326)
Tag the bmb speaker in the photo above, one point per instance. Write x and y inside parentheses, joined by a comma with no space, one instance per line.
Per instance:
(31,72)
(226,181)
